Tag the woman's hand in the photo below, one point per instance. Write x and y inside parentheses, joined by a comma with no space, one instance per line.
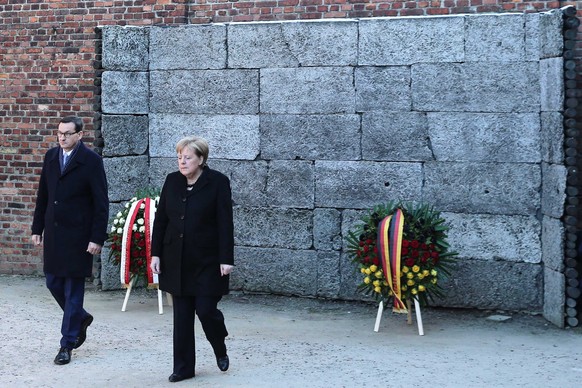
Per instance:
(155,265)
(225,269)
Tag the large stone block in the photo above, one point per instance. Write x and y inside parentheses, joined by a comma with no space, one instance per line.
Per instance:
(248,180)
(552,84)
(205,91)
(550,33)
(351,278)
(494,285)
(552,137)
(395,136)
(124,92)
(492,188)
(553,189)
(159,169)
(403,41)
(124,135)
(499,38)
(485,137)
(328,274)
(273,227)
(291,184)
(277,271)
(383,88)
(361,185)
(327,229)
(307,90)
(476,87)
(125,176)
(188,47)
(553,243)
(491,237)
(554,291)
(312,137)
(125,48)
(292,44)
(229,136)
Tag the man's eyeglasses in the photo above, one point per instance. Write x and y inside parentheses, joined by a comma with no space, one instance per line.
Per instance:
(66,135)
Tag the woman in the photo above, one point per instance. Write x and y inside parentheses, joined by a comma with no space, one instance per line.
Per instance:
(193,252)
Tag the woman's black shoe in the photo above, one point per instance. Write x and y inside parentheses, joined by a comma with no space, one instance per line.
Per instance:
(174,378)
(222,363)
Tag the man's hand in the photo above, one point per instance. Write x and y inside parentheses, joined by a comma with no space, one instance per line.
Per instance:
(94,249)
(36,239)
(225,269)
(155,264)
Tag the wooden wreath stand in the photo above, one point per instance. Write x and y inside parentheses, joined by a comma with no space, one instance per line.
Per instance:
(409,318)
(160,298)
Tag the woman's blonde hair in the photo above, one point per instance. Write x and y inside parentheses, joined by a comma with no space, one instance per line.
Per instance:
(195,144)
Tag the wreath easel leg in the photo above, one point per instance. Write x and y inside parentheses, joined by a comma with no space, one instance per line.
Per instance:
(128,292)
(418,315)
(379,316)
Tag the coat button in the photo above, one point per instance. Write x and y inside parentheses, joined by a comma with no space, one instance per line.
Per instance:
(181,235)
(183,199)
(56,224)
(181,217)
(56,202)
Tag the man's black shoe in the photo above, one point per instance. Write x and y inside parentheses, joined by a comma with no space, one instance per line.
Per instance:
(83,333)
(222,363)
(63,356)
(174,378)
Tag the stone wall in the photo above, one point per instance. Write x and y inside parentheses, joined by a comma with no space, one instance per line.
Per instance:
(316,122)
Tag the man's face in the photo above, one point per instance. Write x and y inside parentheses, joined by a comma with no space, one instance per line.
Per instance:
(67,136)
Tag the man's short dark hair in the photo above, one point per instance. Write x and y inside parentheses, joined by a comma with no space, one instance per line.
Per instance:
(75,120)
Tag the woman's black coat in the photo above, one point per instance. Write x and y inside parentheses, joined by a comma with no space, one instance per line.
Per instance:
(71,210)
(193,234)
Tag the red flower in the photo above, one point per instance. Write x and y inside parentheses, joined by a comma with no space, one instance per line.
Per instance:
(414,253)
(139,263)
(405,243)
(423,246)
(404,250)
(409,262)
(434,254)
(366,248)
(375,249)
(423,260)
(136,235)
(425,255)
(134,254)
(376,261)
(414,244)
(369,241)
(141,243)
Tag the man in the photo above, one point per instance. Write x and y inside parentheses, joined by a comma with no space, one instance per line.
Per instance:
(70,221)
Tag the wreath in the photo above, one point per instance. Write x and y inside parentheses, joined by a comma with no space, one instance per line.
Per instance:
(425,258)
(135,245)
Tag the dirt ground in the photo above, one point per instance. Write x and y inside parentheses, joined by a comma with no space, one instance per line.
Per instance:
(282,342)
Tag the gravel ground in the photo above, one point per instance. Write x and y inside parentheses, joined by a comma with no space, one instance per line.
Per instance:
(282,342)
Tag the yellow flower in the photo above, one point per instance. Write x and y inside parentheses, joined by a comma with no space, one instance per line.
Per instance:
(367,271)
(420,276)
(378,274)
(433,280)
(363,270)
(414,291)
(416,268)
(367,280)
(405,269)
(421,288)
(373,268)
(404,287)
(378,290)
(384,283)
(426,272)
(409,275)
(410,282)
(376,283)
(433,272)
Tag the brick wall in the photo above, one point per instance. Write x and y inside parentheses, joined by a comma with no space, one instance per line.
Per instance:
(47,53)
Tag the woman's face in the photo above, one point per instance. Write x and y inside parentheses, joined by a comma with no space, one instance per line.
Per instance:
(189,163)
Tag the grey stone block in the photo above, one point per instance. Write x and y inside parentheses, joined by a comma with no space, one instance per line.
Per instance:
(493,188)
(361,185)
(188,47)
(553,243)
(247,180)
(292,44)
(229,136)
(307,90)
(403,41)
(554,291)
(159,169)
(383,88)
(351,278)
(291,184)
(125,176)
(328,274)
(109,276)
(552,137)
(395,136)
(553,189)
(494,285)
(327,229)
(491,237)
(485,137)
(204,91)
(532,37)
(277,271)
(499,38)
(550,33)
(476,87)
(125,48)
(552,84)
(124,135)
(301,137)
(124,92)
(273,227)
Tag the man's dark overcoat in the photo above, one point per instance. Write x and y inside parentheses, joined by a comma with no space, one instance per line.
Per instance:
(72,210)
(193,234)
